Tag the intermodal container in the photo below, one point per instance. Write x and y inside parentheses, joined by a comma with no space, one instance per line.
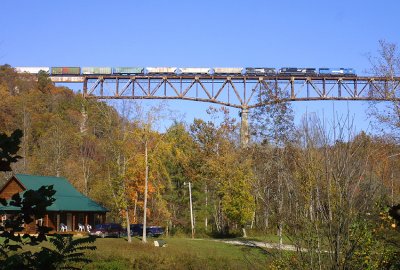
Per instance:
(96,70)
(128,70)
(228,70)
(32,70)
(194,70)
(66,70)
(161,70)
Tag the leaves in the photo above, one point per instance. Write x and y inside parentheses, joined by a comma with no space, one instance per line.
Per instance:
(9,146)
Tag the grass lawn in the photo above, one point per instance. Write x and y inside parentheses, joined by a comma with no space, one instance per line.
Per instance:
(181,253)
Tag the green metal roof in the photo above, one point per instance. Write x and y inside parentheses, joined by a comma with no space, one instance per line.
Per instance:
(67,198)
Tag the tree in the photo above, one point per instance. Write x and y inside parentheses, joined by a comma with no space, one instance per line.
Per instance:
(273,126)
(44,81)
(386,64)
(236,179)
(273,121)
(223,172)
(179,164)
(335,192)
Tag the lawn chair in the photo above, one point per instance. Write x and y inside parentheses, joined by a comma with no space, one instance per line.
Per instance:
(63,227)
(81,227)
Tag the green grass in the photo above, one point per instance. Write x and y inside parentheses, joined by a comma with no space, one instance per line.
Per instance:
(179,254)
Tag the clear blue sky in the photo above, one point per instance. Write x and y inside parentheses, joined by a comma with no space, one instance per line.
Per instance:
(199,34)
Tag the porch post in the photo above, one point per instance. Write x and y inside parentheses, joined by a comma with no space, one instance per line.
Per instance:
(58,222)
(73,221)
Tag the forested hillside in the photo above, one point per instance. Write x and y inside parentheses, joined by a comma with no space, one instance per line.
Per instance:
(324,187)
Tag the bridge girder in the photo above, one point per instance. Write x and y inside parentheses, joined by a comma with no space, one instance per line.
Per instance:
(236,91)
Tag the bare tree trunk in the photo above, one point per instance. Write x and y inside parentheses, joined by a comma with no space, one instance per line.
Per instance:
(244,232)
(280,225)
(206,219)
(135,209)
(128,227)
(253,219)
(144,240)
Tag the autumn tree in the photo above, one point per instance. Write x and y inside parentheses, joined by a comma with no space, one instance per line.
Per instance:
(180,166)
(222,172)
(273,129)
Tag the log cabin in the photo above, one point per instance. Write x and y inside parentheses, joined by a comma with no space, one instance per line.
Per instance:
(71,210)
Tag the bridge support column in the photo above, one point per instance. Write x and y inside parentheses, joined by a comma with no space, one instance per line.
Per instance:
(84,92)
(244,129)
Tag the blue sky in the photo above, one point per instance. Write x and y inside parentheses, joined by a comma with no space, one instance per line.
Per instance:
(200,33)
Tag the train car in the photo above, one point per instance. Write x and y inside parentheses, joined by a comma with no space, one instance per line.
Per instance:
(337,72)
(31,70)
(289,71)
(226,70)
(161,70)
(65,70)
(128,70)
(193,70)
(260,71)
(97,70)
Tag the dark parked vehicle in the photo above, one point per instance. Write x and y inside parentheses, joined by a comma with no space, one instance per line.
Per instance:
(151,231)
(107,230)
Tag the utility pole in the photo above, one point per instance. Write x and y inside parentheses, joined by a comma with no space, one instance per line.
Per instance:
(191,208)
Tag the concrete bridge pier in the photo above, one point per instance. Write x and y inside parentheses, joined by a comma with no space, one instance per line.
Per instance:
(244,129)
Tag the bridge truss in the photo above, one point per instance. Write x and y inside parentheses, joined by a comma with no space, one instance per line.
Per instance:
(238,91)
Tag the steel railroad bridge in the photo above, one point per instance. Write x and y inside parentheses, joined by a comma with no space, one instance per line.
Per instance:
(235,90)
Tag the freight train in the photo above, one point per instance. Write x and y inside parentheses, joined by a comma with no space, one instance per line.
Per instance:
(248,71)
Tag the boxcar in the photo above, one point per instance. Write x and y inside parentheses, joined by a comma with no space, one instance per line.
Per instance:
(65,70)
(96,70)
(127,70)
(337,72)
(32,70)
(298,71)
(260,71)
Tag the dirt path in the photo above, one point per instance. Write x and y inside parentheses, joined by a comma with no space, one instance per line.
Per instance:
(250,243)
